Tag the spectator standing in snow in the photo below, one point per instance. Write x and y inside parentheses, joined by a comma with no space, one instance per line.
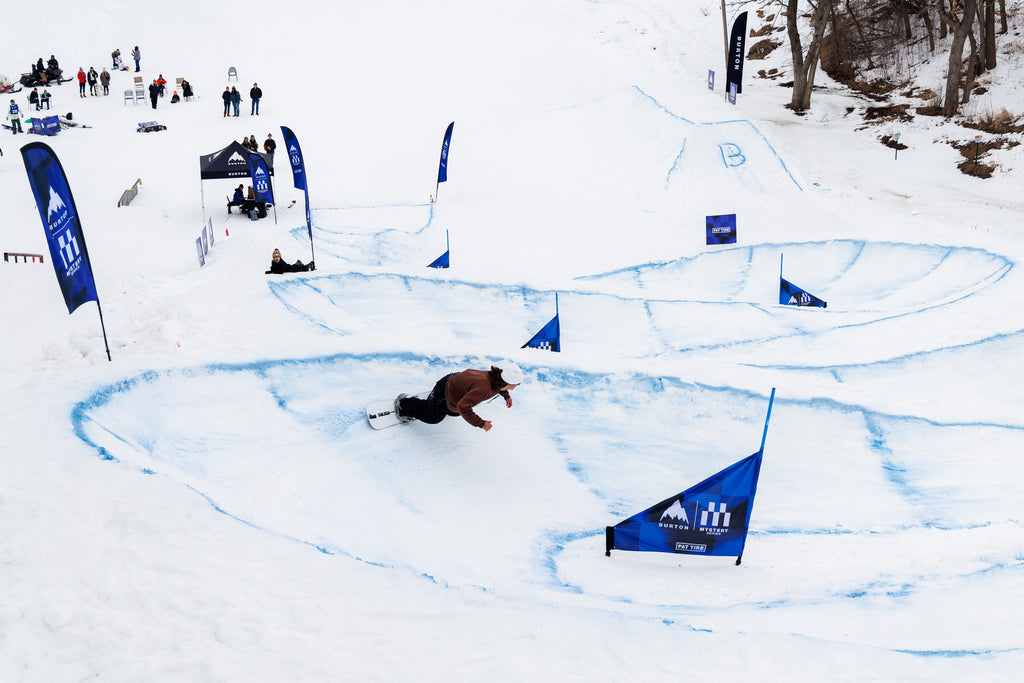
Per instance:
(236,99)
(44,99)
(137,56)
(255,94)
(93,79)
(154,92)
(269,146)
(33,98)
(226,96)
(14,116)
(186,90)
(81,82)
(105,81)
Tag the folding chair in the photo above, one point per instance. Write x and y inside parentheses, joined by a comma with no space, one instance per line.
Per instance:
(140,94)
(232,73)
(138,82)
(129,96)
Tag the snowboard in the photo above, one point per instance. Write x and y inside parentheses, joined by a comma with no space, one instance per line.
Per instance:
(381,414)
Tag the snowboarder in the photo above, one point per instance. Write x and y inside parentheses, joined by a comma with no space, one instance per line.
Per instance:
(278,266)
(458,393)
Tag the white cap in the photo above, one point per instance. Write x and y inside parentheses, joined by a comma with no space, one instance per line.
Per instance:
(510,373)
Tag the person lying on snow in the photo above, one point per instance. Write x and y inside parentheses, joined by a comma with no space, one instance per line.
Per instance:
(278,265)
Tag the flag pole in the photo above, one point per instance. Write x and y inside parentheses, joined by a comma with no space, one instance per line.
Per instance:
(104,328)
(760,454)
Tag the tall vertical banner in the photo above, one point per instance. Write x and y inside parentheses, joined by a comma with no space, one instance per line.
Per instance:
(64,236)
(709,518)
(261,181)
(291,144)
(549,338)
(442,167)
(737,40)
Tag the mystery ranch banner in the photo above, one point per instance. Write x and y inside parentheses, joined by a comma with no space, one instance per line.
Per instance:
(734,65)
(710,518)
(260,179)
(291,144)
(64,235)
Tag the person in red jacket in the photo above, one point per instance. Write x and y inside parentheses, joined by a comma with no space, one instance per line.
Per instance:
(81,82)
(460,392)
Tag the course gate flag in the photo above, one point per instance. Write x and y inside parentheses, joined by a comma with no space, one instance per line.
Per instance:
(550,336)
(444,260)
(64,235)
(710,518)
(721,229)
(791,295)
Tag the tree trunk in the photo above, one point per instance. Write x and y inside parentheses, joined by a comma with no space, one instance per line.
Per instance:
(804,67)
(929,26)
(990,34)
(956,52)
(906,19)
(1002,12)
(974,69)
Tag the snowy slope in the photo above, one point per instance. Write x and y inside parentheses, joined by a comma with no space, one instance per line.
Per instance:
(212,506)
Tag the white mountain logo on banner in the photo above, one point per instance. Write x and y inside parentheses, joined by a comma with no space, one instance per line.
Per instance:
(676,512)
(56,204)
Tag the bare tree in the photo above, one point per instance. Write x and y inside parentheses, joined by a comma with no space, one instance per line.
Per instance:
(804,66)
(990,34)
(960,30)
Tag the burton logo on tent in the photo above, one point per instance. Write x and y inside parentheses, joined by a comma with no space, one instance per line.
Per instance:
(709,518)
(236,158)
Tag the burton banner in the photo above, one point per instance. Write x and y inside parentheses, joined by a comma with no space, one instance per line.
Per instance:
(64,236)
(710,518)
(737,40)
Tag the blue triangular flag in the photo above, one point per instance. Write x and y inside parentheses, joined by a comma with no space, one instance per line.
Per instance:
(792,295)
(710,518)
(550,336)
(441,261)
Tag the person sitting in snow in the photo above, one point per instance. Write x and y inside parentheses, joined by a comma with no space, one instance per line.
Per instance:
(458,393)
(278,265)
(33,98)
(44,99)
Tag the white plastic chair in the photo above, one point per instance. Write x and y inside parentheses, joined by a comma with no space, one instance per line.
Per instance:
(129,96)
(232,73)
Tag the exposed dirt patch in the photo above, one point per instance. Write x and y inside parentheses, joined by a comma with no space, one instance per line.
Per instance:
(974,151)
(892,112)
(892,142)
(762,48)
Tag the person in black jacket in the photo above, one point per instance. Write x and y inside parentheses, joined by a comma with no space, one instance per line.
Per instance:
(154,92)
(278,265)
(255,94)
(33,98)
(226,96)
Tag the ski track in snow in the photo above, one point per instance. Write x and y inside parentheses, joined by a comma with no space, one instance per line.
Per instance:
(315,405)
